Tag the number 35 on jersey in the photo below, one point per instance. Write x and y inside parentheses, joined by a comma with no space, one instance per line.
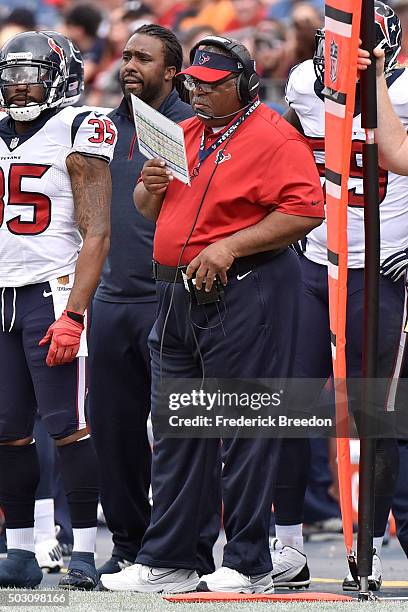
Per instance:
(39,237)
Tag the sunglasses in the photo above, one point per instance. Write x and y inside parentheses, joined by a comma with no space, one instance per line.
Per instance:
(190,83)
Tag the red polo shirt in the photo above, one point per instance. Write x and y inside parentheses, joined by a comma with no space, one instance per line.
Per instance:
(266,166)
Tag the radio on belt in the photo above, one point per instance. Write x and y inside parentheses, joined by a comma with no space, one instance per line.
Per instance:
(203,297)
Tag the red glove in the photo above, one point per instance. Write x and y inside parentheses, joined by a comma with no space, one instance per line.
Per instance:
(65,336)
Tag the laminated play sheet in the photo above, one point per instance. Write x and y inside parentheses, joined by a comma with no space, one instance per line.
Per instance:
(159,137)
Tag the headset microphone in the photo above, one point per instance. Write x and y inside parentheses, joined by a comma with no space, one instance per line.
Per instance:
(206,116)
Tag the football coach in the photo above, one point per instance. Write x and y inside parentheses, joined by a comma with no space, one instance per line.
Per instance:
(254,190)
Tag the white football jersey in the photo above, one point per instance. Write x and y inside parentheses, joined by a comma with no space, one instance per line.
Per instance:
(39,237)
(303,94)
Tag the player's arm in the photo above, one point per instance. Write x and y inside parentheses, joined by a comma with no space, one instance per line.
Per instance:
(92,190)
(391,135)
(149,192)
(92,193)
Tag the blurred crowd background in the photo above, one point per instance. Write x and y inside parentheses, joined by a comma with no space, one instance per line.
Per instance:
(279,33)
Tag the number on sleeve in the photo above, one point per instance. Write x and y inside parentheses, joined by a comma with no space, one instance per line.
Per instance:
(104,131)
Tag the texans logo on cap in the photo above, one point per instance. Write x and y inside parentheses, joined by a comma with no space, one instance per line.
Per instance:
(204,58)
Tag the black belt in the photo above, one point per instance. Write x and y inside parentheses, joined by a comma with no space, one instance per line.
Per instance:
(240,266)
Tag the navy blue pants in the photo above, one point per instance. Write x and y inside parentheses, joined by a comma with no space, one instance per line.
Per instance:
(313,360)
(119,405)
(26,382)
(260,329)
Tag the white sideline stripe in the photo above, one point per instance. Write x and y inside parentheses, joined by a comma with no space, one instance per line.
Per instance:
(392,392)
(333,190)
(333,270)
(334,108)
(81,392)
(337,27)
(387,583)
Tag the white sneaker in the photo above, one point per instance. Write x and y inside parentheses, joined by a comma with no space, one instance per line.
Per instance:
(227,580)
(49,555)
(290,567)
(145,579)
(374,581)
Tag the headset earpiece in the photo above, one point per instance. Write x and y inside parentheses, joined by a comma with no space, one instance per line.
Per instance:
(253,85)
(239,86)
(247,88)
(248,81)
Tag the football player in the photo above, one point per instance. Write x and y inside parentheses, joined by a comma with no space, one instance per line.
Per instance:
(313,357)
(55,191)
(47,548)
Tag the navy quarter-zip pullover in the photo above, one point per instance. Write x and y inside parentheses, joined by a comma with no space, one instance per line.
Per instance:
(127,273)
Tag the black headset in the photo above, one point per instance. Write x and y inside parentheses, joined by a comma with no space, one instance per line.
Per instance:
(248,81)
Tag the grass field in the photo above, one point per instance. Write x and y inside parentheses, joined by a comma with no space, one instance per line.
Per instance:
(327,565)
(112,602)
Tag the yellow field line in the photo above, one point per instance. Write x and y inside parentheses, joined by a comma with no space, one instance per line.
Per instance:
(386,583)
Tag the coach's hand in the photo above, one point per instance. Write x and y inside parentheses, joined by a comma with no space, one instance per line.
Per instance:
(214,260)
(65,337)
(156,176)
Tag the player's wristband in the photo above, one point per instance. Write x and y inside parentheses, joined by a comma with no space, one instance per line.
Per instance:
(75,316)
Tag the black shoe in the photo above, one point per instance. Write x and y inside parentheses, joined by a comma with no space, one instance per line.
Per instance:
(374,581)
(81,574)
(79,580)
(20,570)
(113,565)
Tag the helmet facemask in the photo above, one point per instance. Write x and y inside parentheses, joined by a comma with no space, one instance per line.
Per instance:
(22,70)
(318,57)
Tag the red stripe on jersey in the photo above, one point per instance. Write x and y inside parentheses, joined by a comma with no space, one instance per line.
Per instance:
(132,146)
